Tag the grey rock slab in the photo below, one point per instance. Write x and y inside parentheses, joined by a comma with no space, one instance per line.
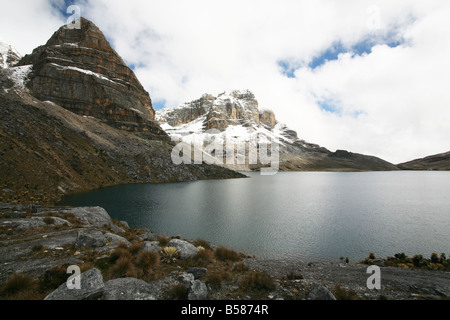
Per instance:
(185,249)
(319,292)
(115,239)
(198,291)
(90,239)
(198,272)
(95,216)
(186,279)
(91,287)
(128,289)
(149,236)
(32,223)
(151,246)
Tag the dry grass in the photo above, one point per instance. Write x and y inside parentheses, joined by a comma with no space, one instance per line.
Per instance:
(344,294)
(215,279)
(123,268)
(21,287)
(257,280)
(163,241)
(177,292)
(224,254)
(241,267)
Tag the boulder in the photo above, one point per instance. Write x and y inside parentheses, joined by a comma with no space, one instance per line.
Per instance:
(149,236)
(128,289)
(198,291)
(319,292)
(151,246)
(90,239)
(95,216)
(91,288)
(187,279)
(198,272)
(115,239)
(186,250)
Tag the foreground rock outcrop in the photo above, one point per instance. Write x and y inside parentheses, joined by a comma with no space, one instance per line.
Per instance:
(125,266)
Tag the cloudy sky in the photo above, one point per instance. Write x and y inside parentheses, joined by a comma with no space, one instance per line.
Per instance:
(371,77)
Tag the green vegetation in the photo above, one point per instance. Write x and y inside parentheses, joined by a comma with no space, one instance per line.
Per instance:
(169,254)
(401,260)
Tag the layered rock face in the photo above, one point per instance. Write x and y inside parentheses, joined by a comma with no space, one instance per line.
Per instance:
(78,70)
(228,108)
(73,118)
(239,122)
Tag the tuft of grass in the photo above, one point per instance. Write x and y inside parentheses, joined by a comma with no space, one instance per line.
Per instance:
(163,241)
(215,279)
(177,292)
(202,243)
(344,294)
(134,248)
(20,287)
(145,260)
(294,276)
(39,247)
(49,220)
(53,278)
(224,254)
(240,267)
(123,268)
(257,280)
(118,253)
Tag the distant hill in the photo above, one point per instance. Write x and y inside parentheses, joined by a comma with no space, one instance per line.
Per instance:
(439,161)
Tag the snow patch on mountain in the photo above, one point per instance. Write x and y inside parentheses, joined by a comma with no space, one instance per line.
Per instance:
(8,55)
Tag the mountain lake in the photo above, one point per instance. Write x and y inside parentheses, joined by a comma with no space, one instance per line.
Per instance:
(309,216)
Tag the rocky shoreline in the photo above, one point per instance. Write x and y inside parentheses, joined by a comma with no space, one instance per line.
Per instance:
(41,242)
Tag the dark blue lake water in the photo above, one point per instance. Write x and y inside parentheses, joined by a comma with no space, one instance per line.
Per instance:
(295,215)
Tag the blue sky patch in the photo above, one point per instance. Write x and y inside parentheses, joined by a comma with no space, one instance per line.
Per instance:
(360,48)
(159,104)
(328,106)
(287,68)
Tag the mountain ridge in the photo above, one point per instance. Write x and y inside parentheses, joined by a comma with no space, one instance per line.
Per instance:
(238,118)
(50,147)
(438,162)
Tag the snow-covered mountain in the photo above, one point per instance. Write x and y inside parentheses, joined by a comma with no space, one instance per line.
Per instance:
(8,56)
(235,123)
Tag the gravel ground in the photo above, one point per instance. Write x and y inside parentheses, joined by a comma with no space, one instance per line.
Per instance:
(396,283)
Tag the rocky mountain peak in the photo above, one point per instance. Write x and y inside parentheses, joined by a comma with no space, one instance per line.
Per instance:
(79,70)
(238,107)
(88,36)
(8,56)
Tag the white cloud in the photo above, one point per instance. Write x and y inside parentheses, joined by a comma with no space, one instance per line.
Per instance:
(27,24)
(393,101)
